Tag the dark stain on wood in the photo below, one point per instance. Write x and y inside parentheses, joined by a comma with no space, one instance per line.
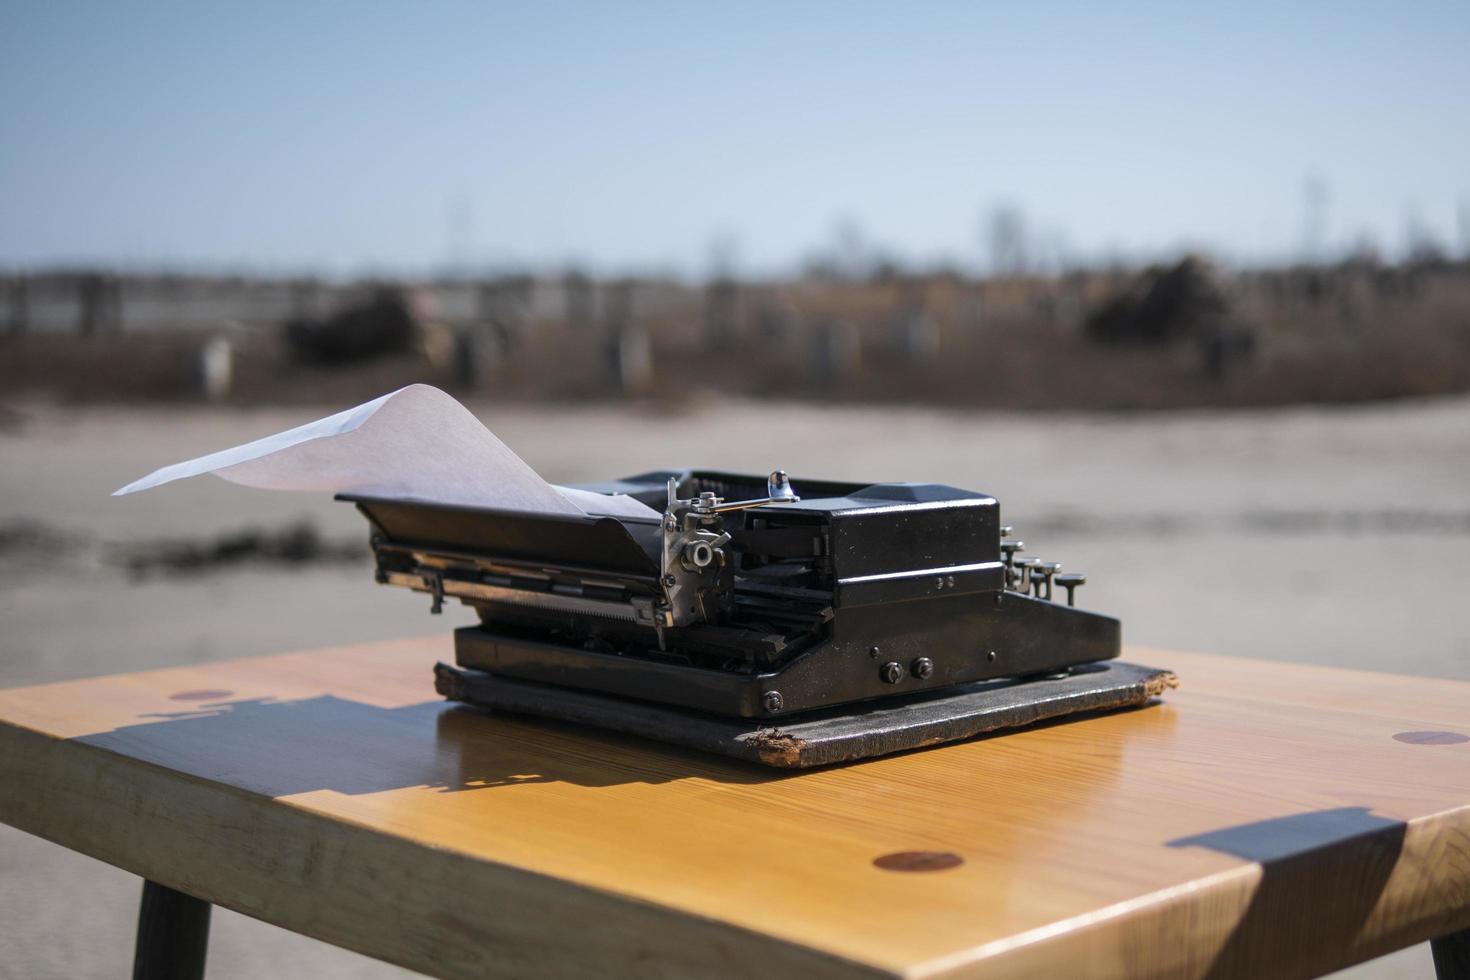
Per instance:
(918,861)
(204,694)
(1431,738)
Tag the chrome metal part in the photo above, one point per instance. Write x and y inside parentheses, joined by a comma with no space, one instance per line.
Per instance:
(1023,567)
(1047,570)
(692,554)
(778,491)
(1070,581)
(635,610)
(1008,551)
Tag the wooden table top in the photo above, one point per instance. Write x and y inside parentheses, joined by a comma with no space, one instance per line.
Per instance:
(1264,818)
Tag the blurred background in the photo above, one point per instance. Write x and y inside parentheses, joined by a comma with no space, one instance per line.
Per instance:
(1187,289)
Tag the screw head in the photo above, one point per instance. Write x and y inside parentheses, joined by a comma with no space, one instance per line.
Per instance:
(891,672)
(773,701)
(922,668)
(698,555)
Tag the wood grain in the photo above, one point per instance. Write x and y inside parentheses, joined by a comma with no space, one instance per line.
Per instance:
(1263,819)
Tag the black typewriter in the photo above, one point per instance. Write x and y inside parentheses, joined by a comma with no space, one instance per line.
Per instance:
(789,622)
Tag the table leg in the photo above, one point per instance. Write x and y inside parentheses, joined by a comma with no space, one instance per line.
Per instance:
(173,935)
(1452,956)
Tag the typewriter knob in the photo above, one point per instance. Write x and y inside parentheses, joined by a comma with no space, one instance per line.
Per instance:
(891,672)
(1047,569)
(1070,581)
(1037,576)
(1023,568)
(778,486)
(1005,530)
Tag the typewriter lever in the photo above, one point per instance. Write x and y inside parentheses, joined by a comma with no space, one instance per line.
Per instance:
(693,564)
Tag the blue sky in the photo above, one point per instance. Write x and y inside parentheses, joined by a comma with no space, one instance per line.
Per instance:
(352,136)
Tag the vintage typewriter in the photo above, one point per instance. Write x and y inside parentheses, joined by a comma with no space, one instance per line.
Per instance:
(792,623)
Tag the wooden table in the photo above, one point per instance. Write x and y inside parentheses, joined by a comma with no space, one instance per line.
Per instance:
(1264,820)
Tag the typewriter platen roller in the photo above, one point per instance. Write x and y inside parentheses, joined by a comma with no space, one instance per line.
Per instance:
(789,622)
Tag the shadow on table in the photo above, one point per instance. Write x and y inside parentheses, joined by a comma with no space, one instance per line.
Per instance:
(1321,876)
(281,748)
(287,747)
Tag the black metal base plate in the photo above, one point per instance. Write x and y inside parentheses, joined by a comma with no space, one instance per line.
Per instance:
(859,731)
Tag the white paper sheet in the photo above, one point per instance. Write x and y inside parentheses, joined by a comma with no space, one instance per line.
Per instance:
(417,443)
(607,504)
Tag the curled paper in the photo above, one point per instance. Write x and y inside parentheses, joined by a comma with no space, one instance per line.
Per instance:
(417,443)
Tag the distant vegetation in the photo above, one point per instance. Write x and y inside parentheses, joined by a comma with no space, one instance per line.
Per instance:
(1182,334)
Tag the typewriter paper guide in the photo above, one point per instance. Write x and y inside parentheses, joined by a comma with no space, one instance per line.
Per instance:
(417,443)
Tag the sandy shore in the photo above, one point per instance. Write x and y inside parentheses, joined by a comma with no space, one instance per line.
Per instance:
(1337,536)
